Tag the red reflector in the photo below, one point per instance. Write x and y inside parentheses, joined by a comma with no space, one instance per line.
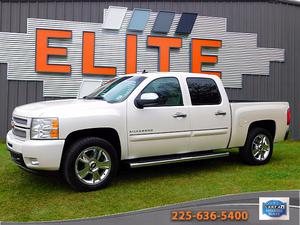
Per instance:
(288,119)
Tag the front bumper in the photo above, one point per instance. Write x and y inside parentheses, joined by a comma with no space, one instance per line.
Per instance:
(35,154)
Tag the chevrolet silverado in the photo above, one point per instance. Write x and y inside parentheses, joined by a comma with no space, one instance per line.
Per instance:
(142,120)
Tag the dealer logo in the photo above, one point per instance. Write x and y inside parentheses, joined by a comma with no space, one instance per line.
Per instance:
(274,209)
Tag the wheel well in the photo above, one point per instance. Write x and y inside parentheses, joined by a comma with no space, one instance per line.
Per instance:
(108,134)
(270,125)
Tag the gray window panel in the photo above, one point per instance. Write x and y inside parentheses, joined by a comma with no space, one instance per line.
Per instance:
(139,19)
(163,22)
(186,23)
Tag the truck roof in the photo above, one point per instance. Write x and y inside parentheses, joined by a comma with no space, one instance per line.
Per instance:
(164,74)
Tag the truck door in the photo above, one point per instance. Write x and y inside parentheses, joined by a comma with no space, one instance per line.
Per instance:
(161,129)
(209,114)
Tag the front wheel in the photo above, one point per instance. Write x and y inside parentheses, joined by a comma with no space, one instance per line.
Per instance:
(258,148)
(90,164)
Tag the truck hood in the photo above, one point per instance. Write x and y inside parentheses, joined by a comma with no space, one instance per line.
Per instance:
(59,108)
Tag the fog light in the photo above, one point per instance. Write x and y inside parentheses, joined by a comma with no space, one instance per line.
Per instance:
(34,161)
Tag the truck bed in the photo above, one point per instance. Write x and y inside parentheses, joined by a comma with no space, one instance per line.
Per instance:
(244,113)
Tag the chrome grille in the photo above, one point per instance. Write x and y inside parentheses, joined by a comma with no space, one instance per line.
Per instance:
(20,120)
(19,133)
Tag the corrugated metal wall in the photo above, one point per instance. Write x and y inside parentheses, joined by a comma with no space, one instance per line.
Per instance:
(277,26)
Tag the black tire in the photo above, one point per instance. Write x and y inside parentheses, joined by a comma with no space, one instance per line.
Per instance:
(246,153)
(80,149)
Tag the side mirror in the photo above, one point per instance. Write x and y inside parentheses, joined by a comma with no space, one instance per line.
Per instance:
(146,100)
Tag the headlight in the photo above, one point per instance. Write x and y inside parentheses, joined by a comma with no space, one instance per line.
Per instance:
(44,128)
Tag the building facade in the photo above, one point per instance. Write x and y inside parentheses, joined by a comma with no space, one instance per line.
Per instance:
(48,47)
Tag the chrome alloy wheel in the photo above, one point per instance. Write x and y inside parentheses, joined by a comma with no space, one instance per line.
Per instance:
(261,147)
(93,165)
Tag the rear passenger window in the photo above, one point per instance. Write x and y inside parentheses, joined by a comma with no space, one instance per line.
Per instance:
(203,91)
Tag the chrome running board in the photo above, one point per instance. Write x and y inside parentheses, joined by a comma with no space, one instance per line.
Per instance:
(175,159)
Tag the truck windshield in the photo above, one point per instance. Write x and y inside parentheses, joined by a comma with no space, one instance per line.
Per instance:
(116,90)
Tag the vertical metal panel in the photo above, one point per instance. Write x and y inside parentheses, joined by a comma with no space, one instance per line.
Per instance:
(60,10)
(296,75)
(277,26)
(3,101)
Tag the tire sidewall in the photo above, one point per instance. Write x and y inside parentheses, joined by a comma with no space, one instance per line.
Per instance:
(72,154)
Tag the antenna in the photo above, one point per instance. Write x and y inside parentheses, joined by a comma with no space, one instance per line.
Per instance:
(144,71)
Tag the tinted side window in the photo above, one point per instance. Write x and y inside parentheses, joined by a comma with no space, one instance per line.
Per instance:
(203,91)
(168,90)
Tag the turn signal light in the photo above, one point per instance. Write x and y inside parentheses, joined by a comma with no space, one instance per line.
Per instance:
(54,133)
(55,123)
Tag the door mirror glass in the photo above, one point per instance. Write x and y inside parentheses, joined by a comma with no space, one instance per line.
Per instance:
(147,100)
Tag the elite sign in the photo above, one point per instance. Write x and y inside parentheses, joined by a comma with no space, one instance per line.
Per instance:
(164,44)
(63,53)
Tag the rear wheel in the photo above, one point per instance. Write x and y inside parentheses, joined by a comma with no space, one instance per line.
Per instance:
(258,148)
(90,164)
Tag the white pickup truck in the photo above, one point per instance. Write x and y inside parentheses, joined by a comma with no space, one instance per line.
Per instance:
(143,120)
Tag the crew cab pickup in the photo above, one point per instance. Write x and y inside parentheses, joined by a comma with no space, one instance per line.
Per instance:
(142,120)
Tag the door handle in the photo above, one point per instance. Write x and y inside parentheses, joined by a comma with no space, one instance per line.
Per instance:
(220,113)
(177,115)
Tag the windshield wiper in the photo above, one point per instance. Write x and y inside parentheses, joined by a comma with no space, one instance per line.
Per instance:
(94,97)
(99,97)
